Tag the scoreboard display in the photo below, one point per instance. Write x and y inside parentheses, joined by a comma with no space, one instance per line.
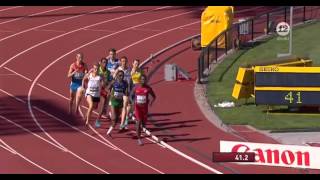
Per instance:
(294,86)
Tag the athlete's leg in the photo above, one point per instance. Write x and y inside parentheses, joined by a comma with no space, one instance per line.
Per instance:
(124,112)
(90,108)
(72,97)
(79,95)
(139,119)
(101,111)
(113,119)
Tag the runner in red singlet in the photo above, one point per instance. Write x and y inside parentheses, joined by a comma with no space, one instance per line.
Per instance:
(76,72)
(141,93)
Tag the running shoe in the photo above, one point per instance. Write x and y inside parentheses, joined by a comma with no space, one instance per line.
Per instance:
(98,124)
(140,143)
(109,132)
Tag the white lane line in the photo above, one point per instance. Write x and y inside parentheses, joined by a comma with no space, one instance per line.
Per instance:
(142,41)
(125,153)
(99,30)
(185,155)
(39,75)
(74,128)
(16,19)
(28,160)
(145,29)
(7,147)
(191,29)
(50,30)
(6,9)
(155,35)
(57,21)
(27,130)
(14,72)
(73,31)
(8,74)
(55,145)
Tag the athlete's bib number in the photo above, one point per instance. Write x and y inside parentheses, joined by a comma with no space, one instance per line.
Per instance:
(141,99)
(78,75)
(118,95)
(94,89)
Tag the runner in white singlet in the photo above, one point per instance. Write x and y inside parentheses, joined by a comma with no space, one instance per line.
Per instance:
(94,85)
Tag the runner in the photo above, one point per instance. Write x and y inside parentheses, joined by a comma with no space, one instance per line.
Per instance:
(127,77)
(105,73)
(119,91)
(113,62)
(140,94)
(95,83)
(76,72)
(136,72)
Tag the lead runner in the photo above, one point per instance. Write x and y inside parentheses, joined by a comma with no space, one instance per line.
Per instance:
(140,96)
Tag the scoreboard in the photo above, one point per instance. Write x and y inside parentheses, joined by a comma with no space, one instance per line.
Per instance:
(296,86)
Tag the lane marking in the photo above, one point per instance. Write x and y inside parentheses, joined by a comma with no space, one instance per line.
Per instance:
(14,72)
(123,48)
(151,167)
(185,155)
(57,21)
(6,9)
(62,148)
(145,29)
(79,29)
(50,30)
(99,30)
(40,74)
(16,19)
(8,74)
(7,147)
(25,158)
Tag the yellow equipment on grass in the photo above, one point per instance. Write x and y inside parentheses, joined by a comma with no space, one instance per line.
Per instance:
(244,87)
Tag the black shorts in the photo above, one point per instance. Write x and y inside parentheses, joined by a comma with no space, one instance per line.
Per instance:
(96,99)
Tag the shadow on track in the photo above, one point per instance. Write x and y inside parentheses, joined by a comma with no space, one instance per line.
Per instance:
(18,112)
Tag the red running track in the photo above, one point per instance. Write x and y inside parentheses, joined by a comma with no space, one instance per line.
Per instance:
(36,134)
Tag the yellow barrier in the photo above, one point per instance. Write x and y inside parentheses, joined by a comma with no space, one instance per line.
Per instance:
(214,20)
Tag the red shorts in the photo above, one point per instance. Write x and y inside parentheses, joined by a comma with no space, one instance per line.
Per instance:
(141,113)
(103,93)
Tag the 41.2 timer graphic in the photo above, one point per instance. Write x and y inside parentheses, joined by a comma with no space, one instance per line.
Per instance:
(233,157)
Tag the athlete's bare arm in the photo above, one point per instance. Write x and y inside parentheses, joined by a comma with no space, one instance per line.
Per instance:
(132,94)
(109,87)
(71,72)
(153,96)
(84,80)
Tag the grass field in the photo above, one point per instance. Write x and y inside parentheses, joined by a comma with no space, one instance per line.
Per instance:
(306,41)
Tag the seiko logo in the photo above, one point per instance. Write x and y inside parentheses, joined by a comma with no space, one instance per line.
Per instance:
(268,69)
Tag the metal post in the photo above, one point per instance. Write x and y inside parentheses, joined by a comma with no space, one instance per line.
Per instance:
(239,31)
(199,68)
(225,42)
(203,60)
(268,21)
(208,56)
(290,34)
(291,29)
(304,13)
(216,50)
(285,14)
(252,30)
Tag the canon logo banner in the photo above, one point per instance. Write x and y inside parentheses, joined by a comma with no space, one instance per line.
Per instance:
(277,154)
